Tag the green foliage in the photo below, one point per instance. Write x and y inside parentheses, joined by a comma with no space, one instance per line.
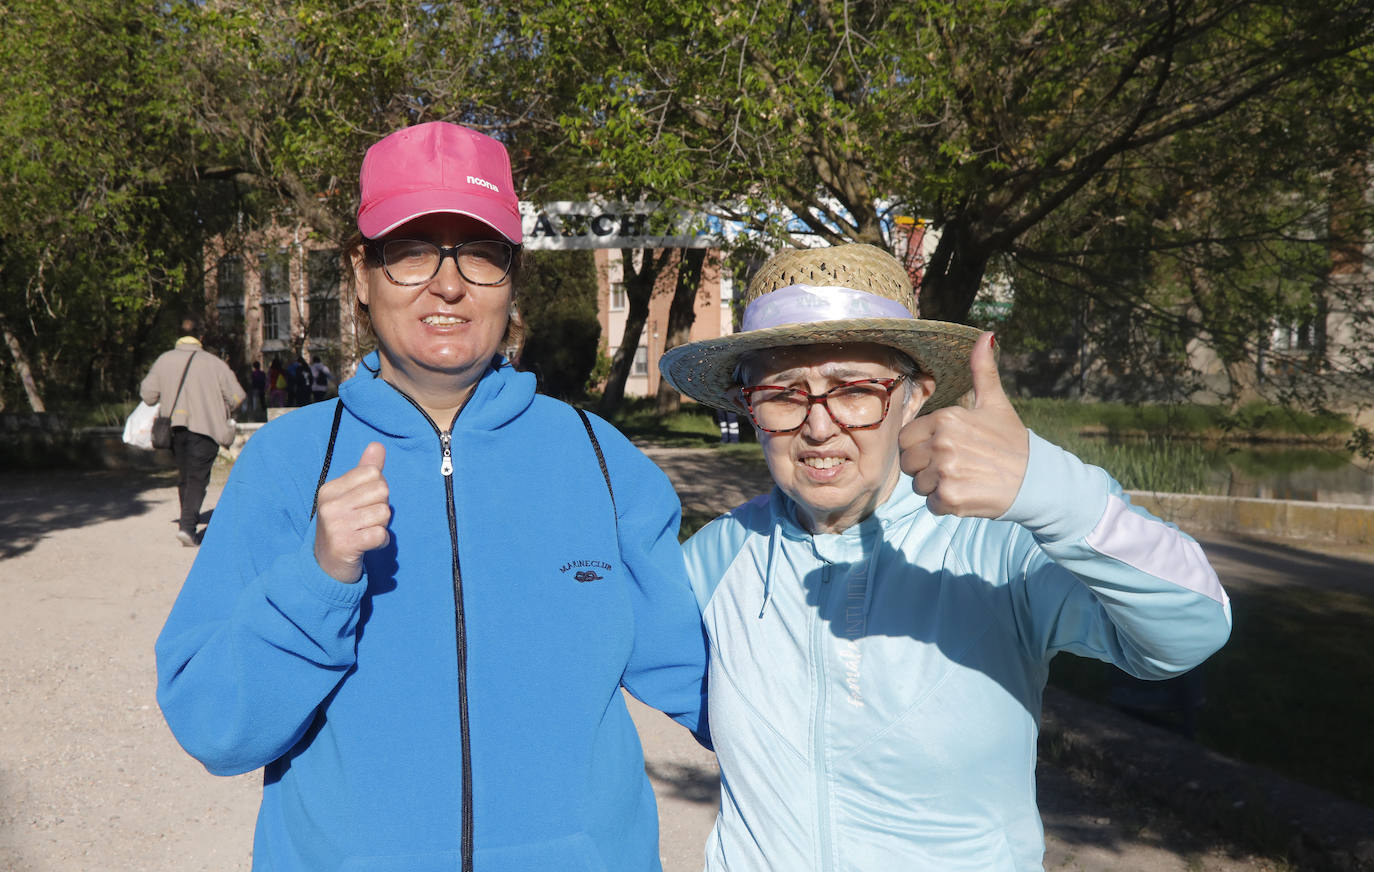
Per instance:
(1361,443)
(600,370)
(691,426)
(1060,418)
(102,216)
(557,298)
(1187,448)
(1141,177)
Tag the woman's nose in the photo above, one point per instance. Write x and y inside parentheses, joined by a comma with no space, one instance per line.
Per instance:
(819,424)
(448,283)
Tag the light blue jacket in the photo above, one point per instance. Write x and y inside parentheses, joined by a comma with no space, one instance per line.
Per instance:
(875,694)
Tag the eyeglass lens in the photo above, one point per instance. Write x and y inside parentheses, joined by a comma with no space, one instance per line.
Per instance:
(853,404)
(414,261)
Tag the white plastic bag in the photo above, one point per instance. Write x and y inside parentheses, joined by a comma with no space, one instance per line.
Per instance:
(138,427)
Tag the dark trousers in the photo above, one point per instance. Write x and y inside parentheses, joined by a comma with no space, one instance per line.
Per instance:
(195,455)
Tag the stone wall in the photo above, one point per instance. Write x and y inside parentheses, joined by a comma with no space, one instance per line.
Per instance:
(1290,519)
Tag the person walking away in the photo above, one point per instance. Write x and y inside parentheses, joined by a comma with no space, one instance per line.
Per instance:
(276,384)
(320,377)
(293,369)
(300,383)
(197,391)
(257,381)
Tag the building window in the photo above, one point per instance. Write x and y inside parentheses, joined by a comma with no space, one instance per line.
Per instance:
(229,276)
(275,270)
(617,296)
(229,294)
(641,362)
(324,275)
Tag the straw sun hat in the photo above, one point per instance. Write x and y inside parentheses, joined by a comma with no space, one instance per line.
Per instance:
(840,295)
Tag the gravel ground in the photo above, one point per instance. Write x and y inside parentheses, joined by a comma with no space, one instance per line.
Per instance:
(91,779)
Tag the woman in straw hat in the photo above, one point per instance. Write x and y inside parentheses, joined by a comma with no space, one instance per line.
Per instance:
(429,666)
(881,624)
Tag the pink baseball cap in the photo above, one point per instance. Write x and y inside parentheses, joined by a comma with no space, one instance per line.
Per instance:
(437,167)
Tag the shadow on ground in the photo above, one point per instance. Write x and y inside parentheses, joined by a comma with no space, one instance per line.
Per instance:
(686,781)
(36,504)
(1266,560)
(1161,789)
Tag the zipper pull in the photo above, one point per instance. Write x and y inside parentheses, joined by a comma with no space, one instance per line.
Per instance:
(446,468)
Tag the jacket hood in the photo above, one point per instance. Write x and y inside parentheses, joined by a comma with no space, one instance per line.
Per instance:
(501,394)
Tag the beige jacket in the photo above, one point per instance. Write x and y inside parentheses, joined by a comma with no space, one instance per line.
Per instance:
(211,392)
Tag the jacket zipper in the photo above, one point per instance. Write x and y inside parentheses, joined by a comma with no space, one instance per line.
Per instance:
(818,739)
(459,629)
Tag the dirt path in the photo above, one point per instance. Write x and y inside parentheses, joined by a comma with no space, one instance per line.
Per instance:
(91,779)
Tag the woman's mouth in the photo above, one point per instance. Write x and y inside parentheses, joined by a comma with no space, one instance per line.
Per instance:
(823,462)
(443,320)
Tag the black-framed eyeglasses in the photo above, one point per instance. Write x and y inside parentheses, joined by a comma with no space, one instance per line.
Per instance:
(855,405)
(416,261)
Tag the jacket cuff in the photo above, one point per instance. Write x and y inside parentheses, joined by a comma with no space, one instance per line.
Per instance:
(321,585)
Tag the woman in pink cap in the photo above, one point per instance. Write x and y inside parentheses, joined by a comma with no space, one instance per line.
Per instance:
(426,653)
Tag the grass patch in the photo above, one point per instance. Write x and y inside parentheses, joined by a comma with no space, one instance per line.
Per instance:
(1288,691)
(692,426)
(692,521)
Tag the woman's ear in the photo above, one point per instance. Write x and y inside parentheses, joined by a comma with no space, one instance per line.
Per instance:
(360,274)
(922,386)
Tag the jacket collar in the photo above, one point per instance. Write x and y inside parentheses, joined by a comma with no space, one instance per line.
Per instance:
(501,395)
(900,505)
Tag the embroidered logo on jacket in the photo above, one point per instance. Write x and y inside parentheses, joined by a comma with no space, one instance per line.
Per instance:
(586,569)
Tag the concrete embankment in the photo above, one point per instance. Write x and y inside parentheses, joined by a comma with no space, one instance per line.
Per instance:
(1289,519)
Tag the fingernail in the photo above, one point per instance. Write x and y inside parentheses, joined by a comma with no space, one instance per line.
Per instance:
(992,343)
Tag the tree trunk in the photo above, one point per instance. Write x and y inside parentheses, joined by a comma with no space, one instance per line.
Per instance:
(21,366)
(955,273)
(639,287)
(681,314)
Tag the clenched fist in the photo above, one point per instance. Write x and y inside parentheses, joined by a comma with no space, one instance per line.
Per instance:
(969,462)
(352,516)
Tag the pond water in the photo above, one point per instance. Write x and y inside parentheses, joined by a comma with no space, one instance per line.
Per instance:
(1324,476)
(1318,474)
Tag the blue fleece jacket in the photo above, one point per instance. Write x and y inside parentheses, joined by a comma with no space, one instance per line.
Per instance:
(348,694)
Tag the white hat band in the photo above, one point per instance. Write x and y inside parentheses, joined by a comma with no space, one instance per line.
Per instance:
(803,304)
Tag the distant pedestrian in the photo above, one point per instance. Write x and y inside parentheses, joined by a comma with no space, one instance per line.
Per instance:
(729,425)
(257,394)
(276,384)
(300,383)
(197,391)
(320,377)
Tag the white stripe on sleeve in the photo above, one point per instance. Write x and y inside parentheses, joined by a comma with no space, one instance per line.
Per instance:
(1154,548)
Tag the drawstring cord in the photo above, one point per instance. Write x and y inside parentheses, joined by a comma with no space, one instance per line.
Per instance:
(768,570)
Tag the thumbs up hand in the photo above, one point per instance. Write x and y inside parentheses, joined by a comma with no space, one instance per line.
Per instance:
(969,462)
(352,516)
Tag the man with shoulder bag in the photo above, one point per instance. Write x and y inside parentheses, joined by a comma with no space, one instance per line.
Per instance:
(196,392)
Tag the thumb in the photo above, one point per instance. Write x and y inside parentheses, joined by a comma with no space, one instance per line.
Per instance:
(373,455)
(987,384)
